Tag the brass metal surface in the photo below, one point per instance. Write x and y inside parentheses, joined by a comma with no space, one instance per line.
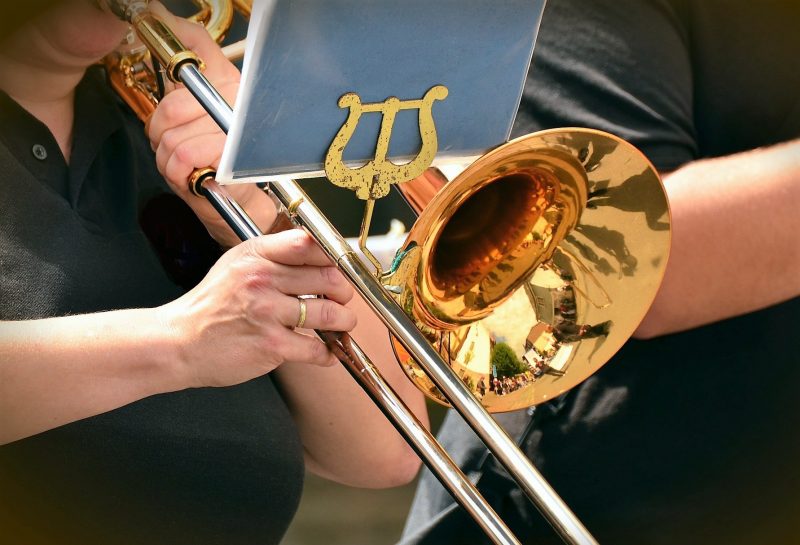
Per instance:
(163,44)
(217,15)
(130,69)
(372,180)
(535,265)
(198,176)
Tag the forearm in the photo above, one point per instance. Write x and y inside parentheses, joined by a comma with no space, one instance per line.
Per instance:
(346,437)
(59,370)
(735,242)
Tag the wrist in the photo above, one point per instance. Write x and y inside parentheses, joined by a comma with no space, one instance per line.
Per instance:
(168,348)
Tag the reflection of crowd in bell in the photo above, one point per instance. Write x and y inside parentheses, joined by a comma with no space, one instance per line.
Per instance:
(566,327)
(506,385)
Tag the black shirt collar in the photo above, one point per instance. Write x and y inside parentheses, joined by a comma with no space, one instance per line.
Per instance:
(26,138)
(96,118)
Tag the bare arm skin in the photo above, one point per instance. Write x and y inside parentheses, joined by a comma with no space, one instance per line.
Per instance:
(735,247)
(234,326)
(60,370)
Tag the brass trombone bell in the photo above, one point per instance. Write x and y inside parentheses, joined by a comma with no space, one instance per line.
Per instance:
(533,267)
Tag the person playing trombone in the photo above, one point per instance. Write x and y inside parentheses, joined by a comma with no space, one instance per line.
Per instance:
(133,411)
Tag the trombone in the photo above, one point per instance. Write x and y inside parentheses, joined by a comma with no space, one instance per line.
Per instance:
(550,171)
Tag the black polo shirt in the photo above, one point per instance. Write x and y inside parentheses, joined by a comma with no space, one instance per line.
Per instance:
(212,465)
(690,438)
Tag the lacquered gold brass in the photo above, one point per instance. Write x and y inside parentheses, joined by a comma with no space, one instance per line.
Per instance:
(533,267)
(197,178)
(130,68)
(372,180)
(164,45)
(217,15)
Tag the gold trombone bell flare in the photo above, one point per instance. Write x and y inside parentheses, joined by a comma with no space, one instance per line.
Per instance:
(531,268)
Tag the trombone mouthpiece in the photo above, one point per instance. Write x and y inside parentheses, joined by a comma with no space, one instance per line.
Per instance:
(162,43)
(124,9)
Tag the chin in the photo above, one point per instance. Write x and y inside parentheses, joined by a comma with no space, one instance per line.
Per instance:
(81,30)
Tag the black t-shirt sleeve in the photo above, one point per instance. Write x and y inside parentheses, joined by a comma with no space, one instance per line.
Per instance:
(622,66)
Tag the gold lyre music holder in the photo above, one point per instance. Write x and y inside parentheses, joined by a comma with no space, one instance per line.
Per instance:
(373,180)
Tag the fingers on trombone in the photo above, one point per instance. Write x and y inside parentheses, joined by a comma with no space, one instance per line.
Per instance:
(306,349)
(298,266)
(291,247)
(306,280)
(318,314)
(178,159)
(175,109)
(178,109)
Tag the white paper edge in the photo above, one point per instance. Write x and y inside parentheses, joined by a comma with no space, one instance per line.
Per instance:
(527,67)
(261,14)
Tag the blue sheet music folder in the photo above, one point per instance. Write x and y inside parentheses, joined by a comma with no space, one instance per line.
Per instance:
(303,55)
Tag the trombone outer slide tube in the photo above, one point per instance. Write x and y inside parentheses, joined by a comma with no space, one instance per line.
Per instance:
(205,93)
(552,507)
(233,214)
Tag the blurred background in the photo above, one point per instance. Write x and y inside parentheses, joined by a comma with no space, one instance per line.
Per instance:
(332,514)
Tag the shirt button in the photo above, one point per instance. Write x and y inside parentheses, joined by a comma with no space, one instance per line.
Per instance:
(39,152)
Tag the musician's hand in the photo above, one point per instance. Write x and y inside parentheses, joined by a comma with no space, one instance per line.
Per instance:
(185,138)
(237,324)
